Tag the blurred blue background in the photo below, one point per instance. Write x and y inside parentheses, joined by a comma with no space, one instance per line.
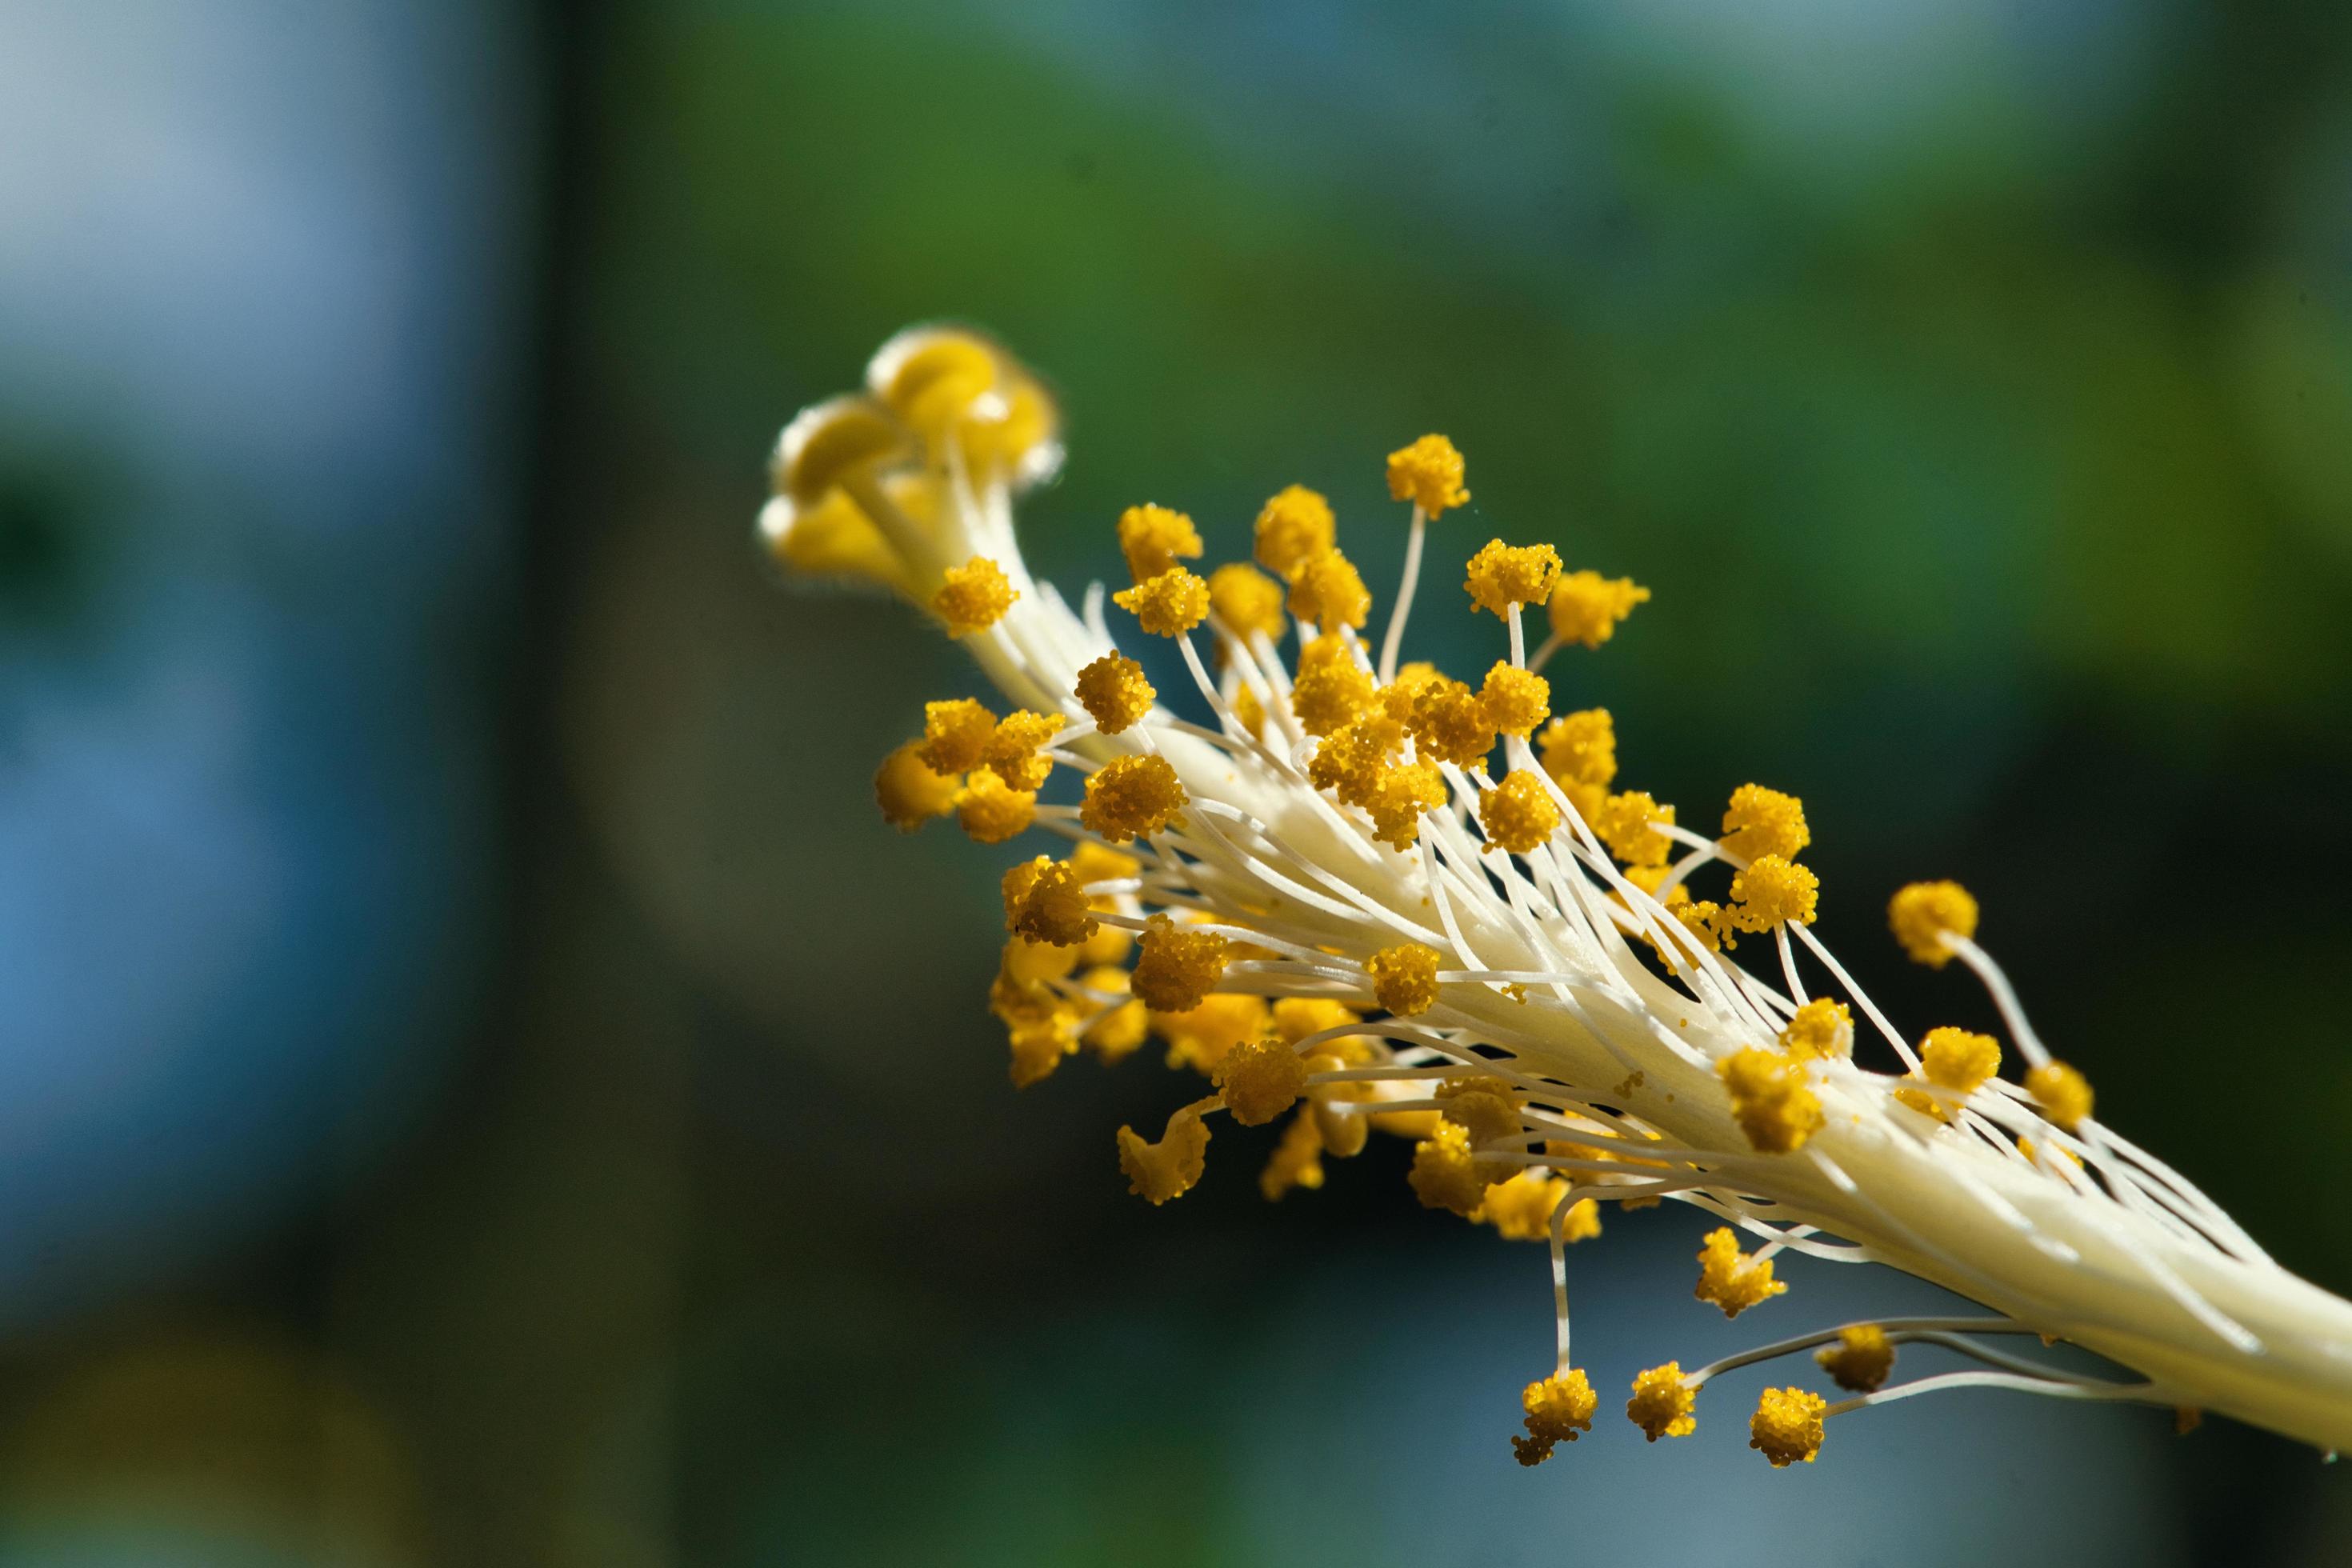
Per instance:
(480,1086)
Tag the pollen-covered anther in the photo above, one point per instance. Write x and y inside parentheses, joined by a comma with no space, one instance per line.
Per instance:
(1559,1410)
(1772,891)
(1770,1099)
(1520,1209)
(1787,1426)
(1401,795)
(1586,607)
(1501,575)
(1518,815)
(1819,1030)
(1628,824)
(955,735)
(1731,1279)
(1332,688)
(1516,699)
(1581,748)
(1114,692)
(1166,1169)
(1297,1161)
(1760,821)
(1445,1174)
(1131,798)
(1662,1403)
(974,597)
(2062,1093)
(1295,524)
(1862,1360)
(1327,591)
(1168,605)
(992,811)
(1202,1037)
(1429,474)
(1260,1079)
(1958,1061)
(1015,749)
(1921,915)
(1350,760)
(1176,969)
(1153,538)
(1119,1032)
(1247,600)
(909,792)
(1404,978)
(1046,902)
(1450,724)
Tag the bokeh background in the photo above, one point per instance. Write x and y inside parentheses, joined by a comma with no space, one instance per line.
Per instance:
(479,1085)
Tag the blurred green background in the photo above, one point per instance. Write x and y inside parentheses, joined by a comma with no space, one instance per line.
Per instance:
(481,1086)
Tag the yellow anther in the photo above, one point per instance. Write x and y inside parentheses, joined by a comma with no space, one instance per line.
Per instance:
(1326,590)
(2062,1093)
(1923,912)
(910,793)
(1703,918)
(974,597)
(1487,1109)
(1028,961)
(1587,606)
(831,441)
(1663,1401)
(1819,1030)
(1297,1161)
(1039,1022)
(1502,576)
(1862,1360)
(1769,1099)
(1956,1060)
(1401,795)
(1516,701)
(1404,978)
(1731,1279)
(1772,890)
(1037,1049)
(955,735)
(1518,815)
(1351,759)
(1099,863)
(1016,751)
(1200,1037)
(1153,538)
(1581,748)
(1249,711)
(1520,1209)
(1429,474)
(1332,687)
(1045,901)
(1260,1079)
(1787,1425)
(992,811)
(1629,823)
(1343,1130)
(1168,1168)
(1397,697)
(1451,724)
(1175,969)
(1762,821)
(1247,600)
(1114,1036)
(1445,1175)
(1559,1410)
(1168,604)
(1294,525)
(1131,798)
(1114,693)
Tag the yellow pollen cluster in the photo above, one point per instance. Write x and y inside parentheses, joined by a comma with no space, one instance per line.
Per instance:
(1559,1410)
(1352,758)
(1168,1168)
(1581,748)
(2062,1093)
(1046,902)
(1760,821)
(1769,1099)
(1819,1030)
(1516,701)
(1401,797)
(1921,913)
(1114,692)
(1444,1174)
(1153,538)
(1404,978)
(910,793)
(1587,606)
(1787,1425)
(1332,688)
(973,597)
(1168,605)
(1246,600)
(1502,576)
(1429,474)
(1518,814)
(1520,1209)
(1297,1161)
(1954,1059)
(992,811)
(1201,1037)
(1731,1279)
(1131,798)
(1176,969)
(1326,590)
(1297,524)
(1015,752)
(1450,724)
(1862,1360)
(955,735)
(1628,824)
(1260,1079)
(1772,890)
(1663,1401)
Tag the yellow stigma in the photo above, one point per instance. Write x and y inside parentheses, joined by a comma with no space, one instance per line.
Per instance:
(1015,749)
(1260,1079)
(1176,969)
(834,538)
(1044,901)
(1502,576)
(1581,748)
(1332,688)
(1862,1360)
(1297,524)
(1559,1410)
(1629,825)
(1131,798)
(1152,538)
(909,791)
(1114,692)
(1921,913)
(1169,1168)
(1731,1279)
(1247,600)
(1586,606)
(1820,1030)
(1662,1402)
(932,377)
(992,811)
(1787,1425)
(1326,590)
(1769,1099)
(2062,1093)
(974,597)
(1518,814)
(1516,701)
(1168,604)
(841,438)
(1429,474)
(1761,822)
(1772,890)
(1451,724)
(955,735)
(1953,1059)
(1404,978)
